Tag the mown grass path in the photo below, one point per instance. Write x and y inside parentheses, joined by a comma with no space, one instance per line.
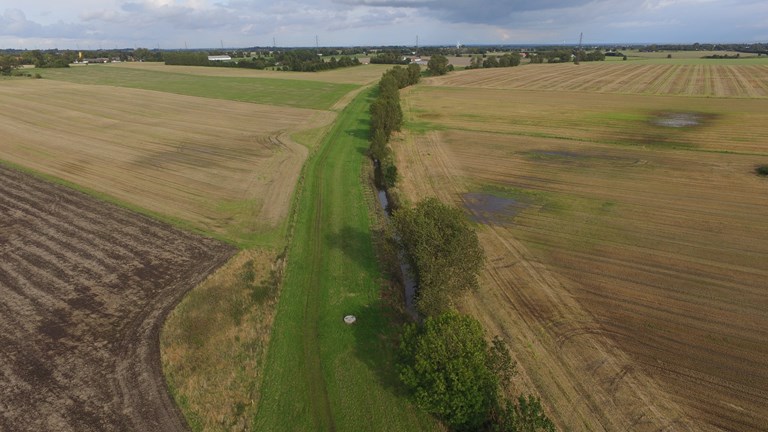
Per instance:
(321,374)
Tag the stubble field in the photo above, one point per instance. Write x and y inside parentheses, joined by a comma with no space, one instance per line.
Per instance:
(363,74)
(636,77)
(626,258)
(186,150)
(84,289)
(222,167)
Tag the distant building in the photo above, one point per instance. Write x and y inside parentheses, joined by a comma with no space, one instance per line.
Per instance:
(219,58)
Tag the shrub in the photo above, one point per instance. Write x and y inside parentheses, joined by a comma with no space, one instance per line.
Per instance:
(762,170)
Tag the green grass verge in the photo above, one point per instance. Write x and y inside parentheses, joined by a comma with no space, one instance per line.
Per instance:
(270,91)
(322,374)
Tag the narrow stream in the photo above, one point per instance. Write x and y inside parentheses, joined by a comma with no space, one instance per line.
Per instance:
(408,282)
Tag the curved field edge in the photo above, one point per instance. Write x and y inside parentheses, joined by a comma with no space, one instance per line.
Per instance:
(320,373)
(213,343)
(86,286)
(220,167)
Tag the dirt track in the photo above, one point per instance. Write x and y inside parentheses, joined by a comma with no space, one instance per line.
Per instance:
(84,289)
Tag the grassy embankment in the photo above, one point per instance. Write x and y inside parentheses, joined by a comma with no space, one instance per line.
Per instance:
(322,374)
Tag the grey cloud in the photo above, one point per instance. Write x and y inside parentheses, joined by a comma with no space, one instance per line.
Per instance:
(13,22)
(468,11)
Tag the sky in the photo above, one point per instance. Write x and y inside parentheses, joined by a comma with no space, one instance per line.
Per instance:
(107,24)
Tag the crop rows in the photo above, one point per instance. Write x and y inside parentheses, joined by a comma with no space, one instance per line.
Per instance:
(84,288)
(744,81)
(225,167)
(628,268)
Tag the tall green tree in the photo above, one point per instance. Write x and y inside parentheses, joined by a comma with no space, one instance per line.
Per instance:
(414,73)
(438,65)
(8,64)
(448,367)
(527,415)
(443,251)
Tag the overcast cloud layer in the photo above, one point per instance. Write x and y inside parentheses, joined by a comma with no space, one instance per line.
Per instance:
(94,24)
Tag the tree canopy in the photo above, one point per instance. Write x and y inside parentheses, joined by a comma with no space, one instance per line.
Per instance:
(438,65)
(443,251)
(448,366)
(8,64)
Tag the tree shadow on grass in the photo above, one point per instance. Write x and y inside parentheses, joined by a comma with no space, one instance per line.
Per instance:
(356,245)
(377,340)
(377,329)
(361,131)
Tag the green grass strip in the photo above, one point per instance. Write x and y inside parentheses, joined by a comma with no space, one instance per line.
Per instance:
(269,91)
(322,374)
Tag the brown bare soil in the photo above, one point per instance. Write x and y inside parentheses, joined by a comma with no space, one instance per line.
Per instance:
(626,261)
(225,167)
(84,289)
(747,81)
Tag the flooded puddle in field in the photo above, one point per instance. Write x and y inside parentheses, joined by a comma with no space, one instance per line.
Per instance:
(491,209)
(678,120)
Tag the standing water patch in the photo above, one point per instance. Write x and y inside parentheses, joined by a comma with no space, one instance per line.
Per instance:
(678,119)
(491,209)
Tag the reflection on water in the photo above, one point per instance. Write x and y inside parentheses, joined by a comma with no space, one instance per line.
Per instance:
(678,120)
(408,281)
(491,209)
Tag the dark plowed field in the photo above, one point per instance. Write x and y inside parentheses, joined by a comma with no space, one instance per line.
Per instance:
(84,289)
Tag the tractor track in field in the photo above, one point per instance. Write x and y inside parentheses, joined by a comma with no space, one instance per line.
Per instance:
(317,387)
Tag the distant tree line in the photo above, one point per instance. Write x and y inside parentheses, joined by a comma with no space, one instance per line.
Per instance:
(722,56)
(566,55)
(390,57)
(491,61)
(309,61)
(290,60)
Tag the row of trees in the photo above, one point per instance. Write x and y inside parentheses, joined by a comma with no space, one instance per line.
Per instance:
(390,57)
(294,60)
(447,364)
(566,55)
(450,368)
(189,58)
(506,60)
(386,118)
(309,61)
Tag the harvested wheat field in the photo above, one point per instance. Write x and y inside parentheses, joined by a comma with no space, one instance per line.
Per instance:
(746,81)
(224,167)
(627,242)
(363,74)
(84,289)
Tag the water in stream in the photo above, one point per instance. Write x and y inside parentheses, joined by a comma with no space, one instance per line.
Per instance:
(408,280)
